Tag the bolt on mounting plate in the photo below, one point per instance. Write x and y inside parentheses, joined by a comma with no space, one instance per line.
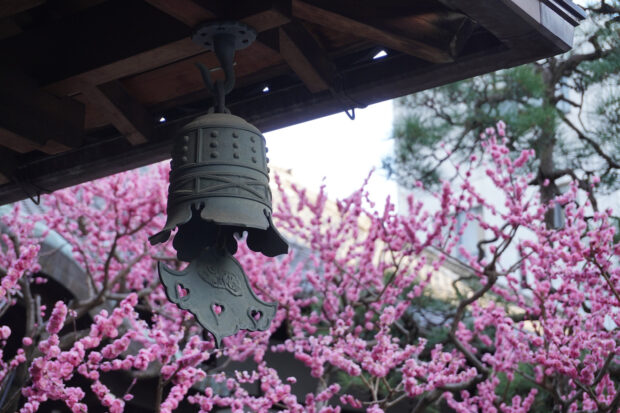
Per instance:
(206,33)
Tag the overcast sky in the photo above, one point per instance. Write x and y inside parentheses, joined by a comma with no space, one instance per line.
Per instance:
(337,151)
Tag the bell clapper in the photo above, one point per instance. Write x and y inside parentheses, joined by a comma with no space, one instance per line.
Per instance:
(218,294)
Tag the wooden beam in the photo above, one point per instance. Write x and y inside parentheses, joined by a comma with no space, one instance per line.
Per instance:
(260,15)
(142,62)
(185,11)
(383,37)
(282,107)
(8,28)
(123,111)
(424,21)
(20,144)
(8,165)
(250,84)
(13,7)
(461,37)
(89,39)
(306,57)
(261,19)
(31,119)
(94,116)
(266,19)
(178,79)
(496,17)
(518,24)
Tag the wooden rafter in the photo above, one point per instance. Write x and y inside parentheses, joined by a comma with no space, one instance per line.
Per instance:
(21,144)
(31,119)
(182,78)
(260,16)
(63,43)
(306,57)
(94,64)
(8,165)
(185,11)
(99,88)
(142,62)
(8,28)
(13,7)
(497,16)
(124,112)
(462,35)
(381,36)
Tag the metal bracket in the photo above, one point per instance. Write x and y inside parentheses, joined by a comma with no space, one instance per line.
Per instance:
(223,38)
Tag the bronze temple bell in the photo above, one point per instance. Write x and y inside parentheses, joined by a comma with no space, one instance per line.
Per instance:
(219,189)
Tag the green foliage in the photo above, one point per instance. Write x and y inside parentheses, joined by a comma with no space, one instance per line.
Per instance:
(521,386)
(568,105)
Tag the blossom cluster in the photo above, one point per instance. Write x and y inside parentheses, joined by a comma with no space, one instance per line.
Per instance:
(354,298)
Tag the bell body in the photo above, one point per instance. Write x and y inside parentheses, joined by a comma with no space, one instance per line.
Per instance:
(219,186)
(219,190)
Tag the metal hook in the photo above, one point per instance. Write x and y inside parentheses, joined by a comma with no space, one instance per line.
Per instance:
(350,114)
(217,89)
(32,190)
(206,76)
(224,47)
(223,38)
(348,103)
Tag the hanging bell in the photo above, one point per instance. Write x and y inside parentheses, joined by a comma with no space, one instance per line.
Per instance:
(219,190)
(219,187)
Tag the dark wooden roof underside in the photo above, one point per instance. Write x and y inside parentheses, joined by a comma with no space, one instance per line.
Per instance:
(84,83)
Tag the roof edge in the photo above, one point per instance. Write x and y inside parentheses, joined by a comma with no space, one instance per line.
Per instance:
(568,10)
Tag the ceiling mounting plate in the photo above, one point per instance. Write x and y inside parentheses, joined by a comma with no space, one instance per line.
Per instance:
(206,33)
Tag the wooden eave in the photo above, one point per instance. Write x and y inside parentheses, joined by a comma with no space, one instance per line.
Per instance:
(84,83)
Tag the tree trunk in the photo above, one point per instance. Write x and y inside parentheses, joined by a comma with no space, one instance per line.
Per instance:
(546,170)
